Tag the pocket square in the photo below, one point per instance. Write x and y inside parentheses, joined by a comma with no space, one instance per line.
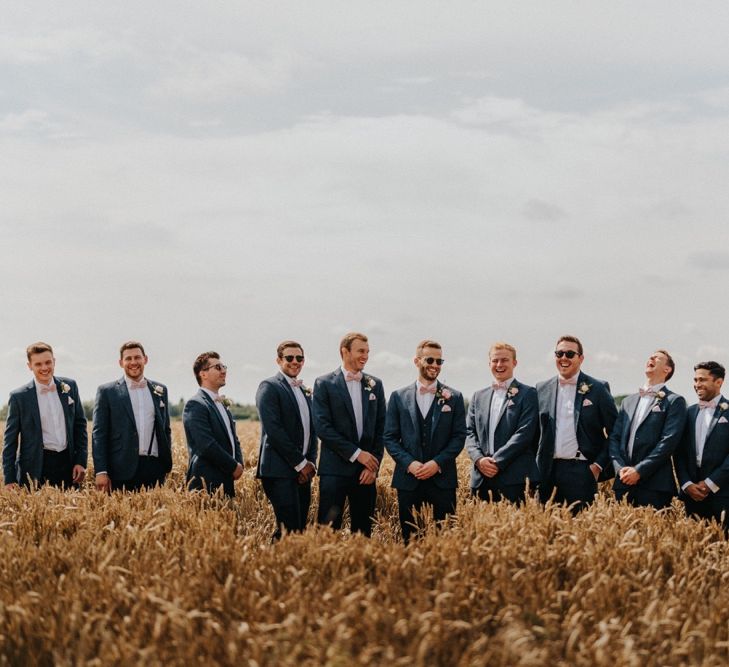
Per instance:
(656,408)
(161,405)
(722,420)
(586,402)
(509,403)
(70,401)
(373,397)
(446,408)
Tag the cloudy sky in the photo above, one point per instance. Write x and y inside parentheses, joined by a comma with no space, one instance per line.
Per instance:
(226,175)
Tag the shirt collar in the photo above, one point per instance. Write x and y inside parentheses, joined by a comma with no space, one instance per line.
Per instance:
(210,393)
(425,386)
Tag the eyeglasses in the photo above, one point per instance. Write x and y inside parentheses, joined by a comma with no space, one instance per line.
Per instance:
(570,354)
(217,367)
(291,357)
(433,360)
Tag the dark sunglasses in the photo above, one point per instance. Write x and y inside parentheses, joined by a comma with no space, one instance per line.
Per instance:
(570,354)
(433,360)
(291,357)
(217,367)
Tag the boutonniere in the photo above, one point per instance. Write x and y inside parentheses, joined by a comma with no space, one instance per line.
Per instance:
(443,394)
(308,391)
(723,406)
(158,390)
(224,400)
(513,391)
(584,388)
(660,395)
(65,388)
(369,383)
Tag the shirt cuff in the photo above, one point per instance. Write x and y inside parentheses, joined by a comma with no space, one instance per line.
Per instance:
(686,485)
(354,456)
(103,472)
(595,463)
(301,465)
(711,485)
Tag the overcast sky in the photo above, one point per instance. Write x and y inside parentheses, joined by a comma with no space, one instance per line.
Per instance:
(227,175)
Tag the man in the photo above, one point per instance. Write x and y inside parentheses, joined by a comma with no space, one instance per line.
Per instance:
(215,459)
(576,414)
(349,417)
(645,435)
(702,456)
(287,455)
(425,430)
(501,432)
(131,438)
(45,433)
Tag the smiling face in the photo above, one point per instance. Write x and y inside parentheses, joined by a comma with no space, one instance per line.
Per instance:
(355,358)
(133,362)
(567,367)
(213,375)
(42,365)
(657,368)
(502,363)
(293,367)
(706,385)
(429,372)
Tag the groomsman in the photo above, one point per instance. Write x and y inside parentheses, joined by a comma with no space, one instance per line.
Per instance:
(502,427)
(576,414)
(45,432)
(425,430)
(287,455)
(131,438)
(645,435)
(702,457)
(349,417)
(215,459)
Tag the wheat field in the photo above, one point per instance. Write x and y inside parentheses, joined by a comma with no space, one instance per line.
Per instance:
(168,577)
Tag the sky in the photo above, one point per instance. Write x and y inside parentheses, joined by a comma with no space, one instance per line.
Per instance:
(224,176)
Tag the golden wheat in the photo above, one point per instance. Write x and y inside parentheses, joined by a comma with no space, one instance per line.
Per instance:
(168,577)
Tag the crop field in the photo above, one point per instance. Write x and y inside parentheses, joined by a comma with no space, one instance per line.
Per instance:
(168,577)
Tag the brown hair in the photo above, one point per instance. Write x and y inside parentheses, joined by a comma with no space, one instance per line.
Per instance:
(130,345)
(426,343)
(37,348)
(346,342)
(503,346)
(671,365)
(287,343)
(571,339)
(201,363)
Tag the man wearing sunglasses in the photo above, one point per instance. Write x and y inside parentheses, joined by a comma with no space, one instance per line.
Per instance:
(215,458)
(425,430)
(287,454)
(349,417)
(645,435)
(502,427)
(576,415)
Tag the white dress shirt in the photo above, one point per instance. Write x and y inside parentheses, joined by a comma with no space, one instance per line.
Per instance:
(565,440)
(305,419)
(644,404)
(143,409)
(424,401)
(498,396)
(53,422)
(355,393)
(224,415)
(701,429)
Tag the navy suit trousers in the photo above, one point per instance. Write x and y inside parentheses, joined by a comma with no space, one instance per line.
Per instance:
(290,501)
(643,497)
(57,468)
(443,502)
(571,481)
(491,489)
(335,490)
(713,507)
(150,472)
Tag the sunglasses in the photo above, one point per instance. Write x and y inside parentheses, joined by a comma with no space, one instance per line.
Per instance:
(217,367)
(433,360)
(291,357)
(570,354)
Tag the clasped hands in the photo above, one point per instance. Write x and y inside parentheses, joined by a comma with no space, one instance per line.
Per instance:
(371,466)
(698,491)
(487,466)
(423,470)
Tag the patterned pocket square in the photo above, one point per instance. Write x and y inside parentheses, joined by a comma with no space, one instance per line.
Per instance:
(446,408)
(586,402)
(509,403)
(656,408)
(723,420)
(373,397)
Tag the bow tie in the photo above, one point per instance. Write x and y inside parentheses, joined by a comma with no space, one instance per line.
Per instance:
(706,404)
(498,385)
(296,383)
(357,377)
(572,380)
(647,392)
(48,389)
(142,384)
(427,390)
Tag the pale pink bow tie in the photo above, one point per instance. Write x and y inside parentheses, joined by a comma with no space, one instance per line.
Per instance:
(706,404)
(498,385)
(572,380)
(142,384)
(357,377)
(427,390)
(647,392)
(48,389)
(296,383)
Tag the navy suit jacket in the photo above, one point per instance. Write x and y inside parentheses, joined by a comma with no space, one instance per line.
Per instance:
(403,439)
(715,457)
(595,414)
(655,440)
(336,427)
(515,436)
(282,432)
(23,441)
(114,439)
(211,457)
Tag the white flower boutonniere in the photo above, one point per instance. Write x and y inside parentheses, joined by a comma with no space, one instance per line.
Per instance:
(660,395)
(723,406)
(65,388)
(308,391)
(513,391)
(369,383)
(443,394)
(158,390)
(584,388)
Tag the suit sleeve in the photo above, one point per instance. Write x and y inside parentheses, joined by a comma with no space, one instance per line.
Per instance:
(324,423)
(720,475)
(458,433)
(609,414)
(670,435)
(10,441)
(167,427)
(202,441)
(680,457)
(523,436)
(615,448)
(100,432)
(393,434)
(379,442)
(473,445)
(80,432)
(269,412)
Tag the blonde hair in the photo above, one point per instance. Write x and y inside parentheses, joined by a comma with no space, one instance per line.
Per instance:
(500,345)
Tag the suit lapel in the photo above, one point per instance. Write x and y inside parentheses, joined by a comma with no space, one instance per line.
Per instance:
(67,416)
(692,415)
(488,397)
(579,398)
(437,409)
(289,391)
(211,405)
(714,419)
(342,386)
(411,404)
(125,398)
(33,400)
(631,406)
(158,421)
(505,404)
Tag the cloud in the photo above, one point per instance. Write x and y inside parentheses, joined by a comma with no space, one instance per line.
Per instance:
(709,260)
(543,211)
(30,120)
